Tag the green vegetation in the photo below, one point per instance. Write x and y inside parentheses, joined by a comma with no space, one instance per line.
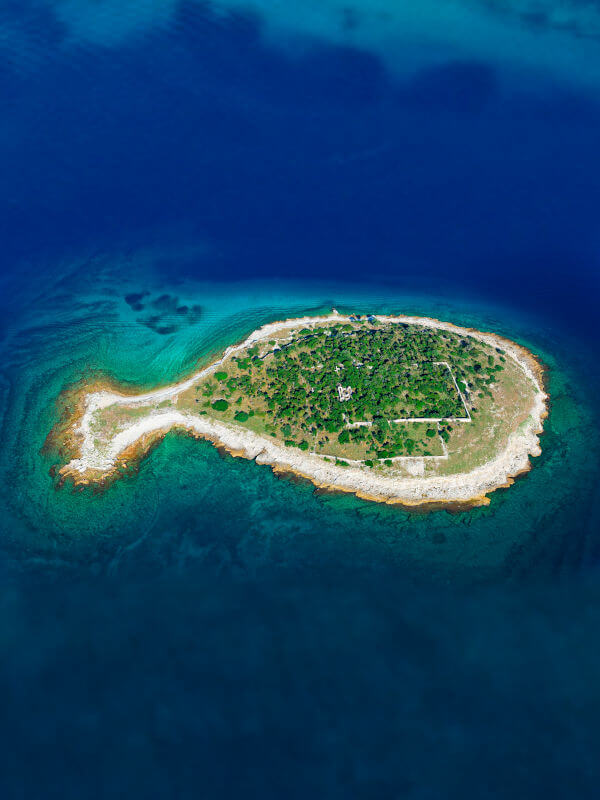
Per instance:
(360,391)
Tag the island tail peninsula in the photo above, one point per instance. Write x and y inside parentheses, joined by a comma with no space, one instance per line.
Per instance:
(400,409)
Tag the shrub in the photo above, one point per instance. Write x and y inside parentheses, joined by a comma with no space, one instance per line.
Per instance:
(220,376)
(220,405)
(241,416)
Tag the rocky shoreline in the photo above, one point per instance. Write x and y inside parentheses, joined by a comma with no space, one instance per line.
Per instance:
(88,467)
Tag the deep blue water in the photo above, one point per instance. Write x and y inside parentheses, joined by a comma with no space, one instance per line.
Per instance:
(204,629)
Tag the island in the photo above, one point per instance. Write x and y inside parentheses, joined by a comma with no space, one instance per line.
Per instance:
(400,409)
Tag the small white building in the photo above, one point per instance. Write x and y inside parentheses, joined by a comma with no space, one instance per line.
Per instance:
(344,392)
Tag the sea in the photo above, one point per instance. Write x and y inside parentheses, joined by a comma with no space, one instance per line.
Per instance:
(173,175)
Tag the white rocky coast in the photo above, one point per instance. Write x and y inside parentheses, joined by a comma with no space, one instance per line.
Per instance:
(93,464)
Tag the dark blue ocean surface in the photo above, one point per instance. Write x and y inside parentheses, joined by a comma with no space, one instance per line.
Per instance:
(175,174)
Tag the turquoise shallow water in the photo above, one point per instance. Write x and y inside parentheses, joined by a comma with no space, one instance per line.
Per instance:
(204,623)
(105,335)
